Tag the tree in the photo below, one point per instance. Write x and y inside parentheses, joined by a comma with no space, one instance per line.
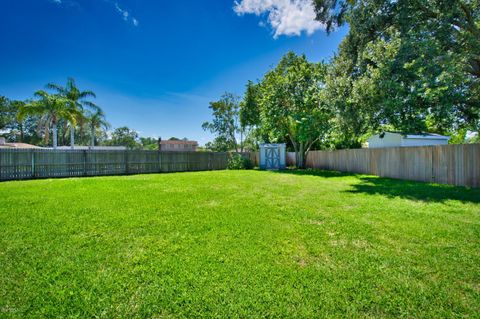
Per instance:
(225,123)
(78,99)
(250,115)
(96,121)
(409,65)
(149,143)
(291,105)
(14,130)
(50,108)
(124,136)
(5,112)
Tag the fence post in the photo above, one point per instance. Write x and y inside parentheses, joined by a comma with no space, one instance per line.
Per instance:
(84,162)
(432,175)
(159,162)
(126,161)
(33,163)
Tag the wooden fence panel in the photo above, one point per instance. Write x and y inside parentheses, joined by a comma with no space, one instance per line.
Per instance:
(174,161)
(66,163)
(446,164)
(143,162)
(16,164)
(42,163)
(105,163)
(219,161)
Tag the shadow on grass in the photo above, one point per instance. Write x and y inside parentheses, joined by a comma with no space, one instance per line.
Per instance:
(414,190)
(392,188)
(315,172)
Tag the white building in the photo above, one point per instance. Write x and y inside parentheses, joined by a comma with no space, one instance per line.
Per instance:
(392,139)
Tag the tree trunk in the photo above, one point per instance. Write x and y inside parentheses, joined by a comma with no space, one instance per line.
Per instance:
(92,141)
(241,140)
(72,137)
(295,148)
(55,143)
(301,156)
(21,132)
(64,133)
(46,138)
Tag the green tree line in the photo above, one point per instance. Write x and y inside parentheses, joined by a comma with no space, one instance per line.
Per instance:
(64,116)
(408,65)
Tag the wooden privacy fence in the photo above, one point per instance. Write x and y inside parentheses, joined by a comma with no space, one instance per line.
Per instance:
(39,163)
(446,164)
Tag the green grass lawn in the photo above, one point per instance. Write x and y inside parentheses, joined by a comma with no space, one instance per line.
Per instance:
(238,244)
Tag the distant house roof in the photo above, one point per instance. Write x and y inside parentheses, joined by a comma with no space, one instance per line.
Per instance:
(178,142)
(18,145)
(421,135)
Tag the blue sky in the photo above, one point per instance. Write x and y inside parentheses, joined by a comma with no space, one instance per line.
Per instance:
(154,65)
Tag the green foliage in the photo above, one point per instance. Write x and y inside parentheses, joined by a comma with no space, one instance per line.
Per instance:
(173,138)
(124,136)
(77,97)
(58,114)
(474,138)
(97,123)
(412,65)
(237,161)
(89,114)
(5,112)
(149,143)
(250,116)
(25,130)
(291,104)
(50,109)
(250,244)
(225,123)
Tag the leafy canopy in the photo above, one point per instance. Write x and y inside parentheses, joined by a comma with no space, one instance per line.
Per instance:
(225,123)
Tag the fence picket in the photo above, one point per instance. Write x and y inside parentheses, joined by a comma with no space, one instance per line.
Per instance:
(44,163)
(445,164)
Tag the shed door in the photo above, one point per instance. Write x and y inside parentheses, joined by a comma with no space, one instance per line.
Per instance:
(272,158)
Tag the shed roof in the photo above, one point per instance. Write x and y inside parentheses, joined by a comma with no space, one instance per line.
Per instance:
(421,135)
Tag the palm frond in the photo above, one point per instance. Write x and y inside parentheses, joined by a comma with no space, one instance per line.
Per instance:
(92,106)
(87,93)
(55,87)
(41,94)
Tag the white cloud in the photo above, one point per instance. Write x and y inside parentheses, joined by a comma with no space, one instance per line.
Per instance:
(286,17)
(125,14)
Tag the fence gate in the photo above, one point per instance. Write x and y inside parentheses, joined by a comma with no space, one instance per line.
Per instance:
(272,156)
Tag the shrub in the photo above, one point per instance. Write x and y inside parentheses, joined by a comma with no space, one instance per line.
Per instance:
(237,161)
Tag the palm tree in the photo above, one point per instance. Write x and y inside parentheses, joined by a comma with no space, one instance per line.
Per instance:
(50,108)
(78,100)
(96,120)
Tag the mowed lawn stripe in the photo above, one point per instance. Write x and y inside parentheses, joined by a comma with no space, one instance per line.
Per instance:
(238,244)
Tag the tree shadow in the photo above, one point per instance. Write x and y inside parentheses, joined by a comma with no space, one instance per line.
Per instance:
(315,172)
(412,190)
(392,188)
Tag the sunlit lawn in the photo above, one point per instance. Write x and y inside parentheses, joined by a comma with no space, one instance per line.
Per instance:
(238,244)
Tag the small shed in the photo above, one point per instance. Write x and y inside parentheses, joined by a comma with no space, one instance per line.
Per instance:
(397,139)
(272,156)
